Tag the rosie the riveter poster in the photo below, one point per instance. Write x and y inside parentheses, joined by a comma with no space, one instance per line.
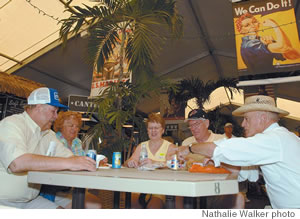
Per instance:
(266,36)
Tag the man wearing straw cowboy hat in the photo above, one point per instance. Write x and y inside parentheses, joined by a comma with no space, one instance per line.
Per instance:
(268,145)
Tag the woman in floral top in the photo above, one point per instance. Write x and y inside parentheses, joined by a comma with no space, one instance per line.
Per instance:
(67,126)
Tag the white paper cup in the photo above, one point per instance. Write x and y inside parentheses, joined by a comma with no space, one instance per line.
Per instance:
(99,157)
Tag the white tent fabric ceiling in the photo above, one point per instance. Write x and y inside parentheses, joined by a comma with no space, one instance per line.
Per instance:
(29,46)
(27,27)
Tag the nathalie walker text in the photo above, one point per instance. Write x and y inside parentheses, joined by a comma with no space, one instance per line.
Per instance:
(247,213)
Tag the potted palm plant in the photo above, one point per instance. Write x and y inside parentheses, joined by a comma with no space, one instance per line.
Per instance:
(139,22)
(139,27)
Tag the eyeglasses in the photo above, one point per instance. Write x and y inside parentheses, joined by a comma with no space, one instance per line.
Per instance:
(154,128)
(195,125)
(71,126)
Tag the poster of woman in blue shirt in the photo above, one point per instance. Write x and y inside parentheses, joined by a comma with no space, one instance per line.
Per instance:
(266,36)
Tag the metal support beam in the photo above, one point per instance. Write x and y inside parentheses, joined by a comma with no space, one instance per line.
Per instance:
(224,54)
(296,7)
(34,56)
(39,53)
(10,58)
(206,39)
(68,82)
(185,63)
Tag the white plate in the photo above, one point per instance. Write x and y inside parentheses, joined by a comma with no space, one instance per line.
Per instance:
(108,167)
(105,167)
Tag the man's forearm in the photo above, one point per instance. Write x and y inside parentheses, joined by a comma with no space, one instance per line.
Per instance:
(28,162)
(206,149)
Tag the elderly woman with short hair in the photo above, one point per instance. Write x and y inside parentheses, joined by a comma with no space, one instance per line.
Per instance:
(67,125)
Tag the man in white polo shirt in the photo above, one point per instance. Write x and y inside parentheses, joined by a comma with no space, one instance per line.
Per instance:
(25,143)
(198,123)
(272,147)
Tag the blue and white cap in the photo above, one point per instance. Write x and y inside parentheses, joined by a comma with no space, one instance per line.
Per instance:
(45,95)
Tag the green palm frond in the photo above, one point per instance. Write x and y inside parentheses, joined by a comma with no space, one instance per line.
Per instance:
(101,44)
(195,88)
(146,18)
(79,17)
(150,22)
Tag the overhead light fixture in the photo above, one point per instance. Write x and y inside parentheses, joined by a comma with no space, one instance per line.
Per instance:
(85,119)
(127,126)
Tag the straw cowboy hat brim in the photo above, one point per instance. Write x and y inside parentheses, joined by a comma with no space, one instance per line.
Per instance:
(259,103)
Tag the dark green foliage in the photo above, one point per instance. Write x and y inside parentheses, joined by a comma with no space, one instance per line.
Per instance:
(135,25)
(217,120)
(112,115)
(138,21)
(195,88)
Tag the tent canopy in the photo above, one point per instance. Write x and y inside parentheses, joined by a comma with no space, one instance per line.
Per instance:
(29,47)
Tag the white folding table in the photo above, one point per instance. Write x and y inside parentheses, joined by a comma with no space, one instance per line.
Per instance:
(162,181)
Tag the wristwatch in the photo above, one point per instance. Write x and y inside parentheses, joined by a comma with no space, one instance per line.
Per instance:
(190,148)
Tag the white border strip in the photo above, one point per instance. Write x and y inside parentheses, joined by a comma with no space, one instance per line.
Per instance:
(268,81)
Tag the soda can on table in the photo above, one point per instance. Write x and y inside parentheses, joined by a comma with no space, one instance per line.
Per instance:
(116,160)
(92,154)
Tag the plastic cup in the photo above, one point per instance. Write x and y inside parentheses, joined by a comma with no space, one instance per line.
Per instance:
(99,157)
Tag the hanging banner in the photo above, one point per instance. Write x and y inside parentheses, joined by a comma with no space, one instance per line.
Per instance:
(111,71)
(266,36)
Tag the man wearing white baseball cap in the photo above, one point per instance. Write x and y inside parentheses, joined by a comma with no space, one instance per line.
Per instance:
(228,128)
(268,145)
(45,95)
(25,142)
